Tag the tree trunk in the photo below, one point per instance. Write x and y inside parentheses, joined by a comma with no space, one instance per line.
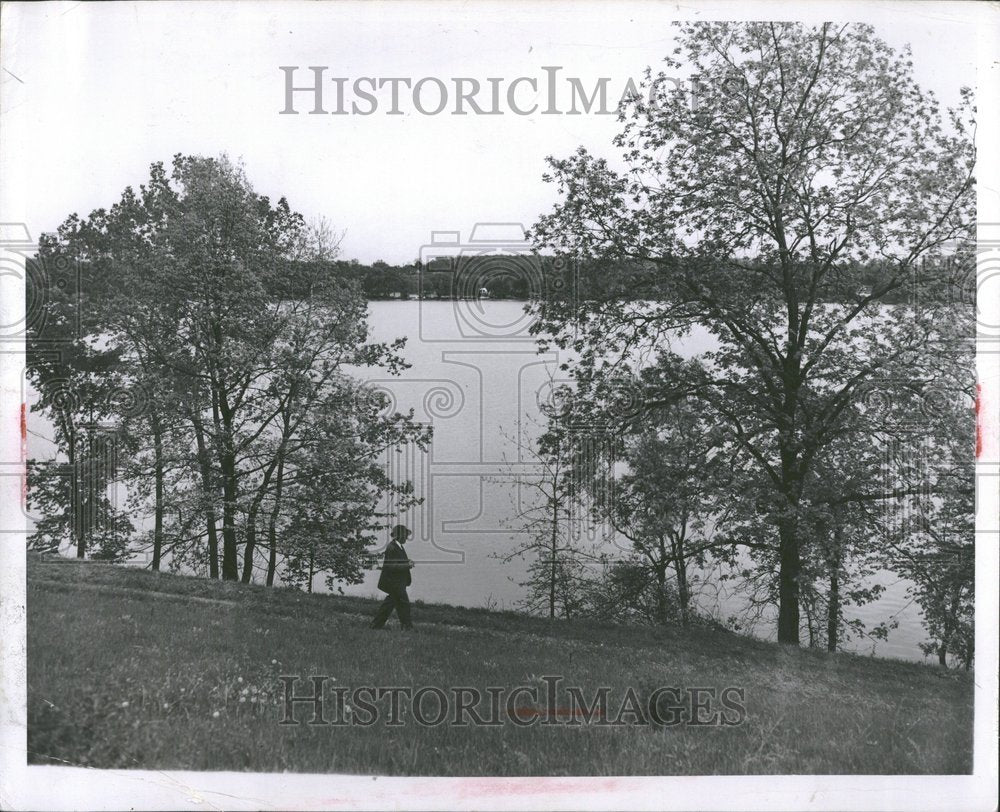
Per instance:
(209,491)
(790,566)
(76,502)
(789,552)
(272,538)
(680,568)
(272,553)
(833,599)
(213,544)
(833,611)
(661,594)
(552,560)
(158,475)
(251,542)
(252,514)
(683,591)
(230,494)
(222,415)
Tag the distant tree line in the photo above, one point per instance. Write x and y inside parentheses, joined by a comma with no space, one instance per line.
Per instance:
(536,279)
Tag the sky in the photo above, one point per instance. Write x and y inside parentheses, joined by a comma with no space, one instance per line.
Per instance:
(92,93)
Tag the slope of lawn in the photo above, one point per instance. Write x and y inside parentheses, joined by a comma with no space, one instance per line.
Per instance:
(130,668)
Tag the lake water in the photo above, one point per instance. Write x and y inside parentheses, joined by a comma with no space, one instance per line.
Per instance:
(476,376)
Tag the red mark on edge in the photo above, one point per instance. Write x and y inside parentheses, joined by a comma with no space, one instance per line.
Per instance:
(514,787)
(979,420)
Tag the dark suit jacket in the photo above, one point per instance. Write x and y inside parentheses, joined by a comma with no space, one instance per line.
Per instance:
(395,569)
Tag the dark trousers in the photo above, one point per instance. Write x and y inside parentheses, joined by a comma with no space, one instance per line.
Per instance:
(399,601)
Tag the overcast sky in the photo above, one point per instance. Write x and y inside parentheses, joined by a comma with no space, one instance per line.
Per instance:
(93,93)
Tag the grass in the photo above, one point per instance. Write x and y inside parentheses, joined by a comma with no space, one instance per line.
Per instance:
(129,668)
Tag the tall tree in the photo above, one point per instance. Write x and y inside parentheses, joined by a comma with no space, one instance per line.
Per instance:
(76,380)
(193,268)
(322,334)
(807,154)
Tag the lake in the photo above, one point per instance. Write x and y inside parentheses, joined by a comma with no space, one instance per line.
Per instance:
(476,376)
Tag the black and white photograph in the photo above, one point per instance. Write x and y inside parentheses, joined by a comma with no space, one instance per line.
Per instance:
(499,405)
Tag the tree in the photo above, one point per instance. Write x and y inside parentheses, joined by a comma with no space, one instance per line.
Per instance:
(928,526)
(810,153)
(552,512)
(183,262)
(324,332)
(668,501)
(317,241)
(76,381)
(623,592)
(336,483)
(193,270)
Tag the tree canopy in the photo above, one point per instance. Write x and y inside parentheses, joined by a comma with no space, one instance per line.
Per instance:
(246,416)
(810,183)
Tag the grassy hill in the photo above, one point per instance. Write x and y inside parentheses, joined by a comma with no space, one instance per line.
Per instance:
(129,668)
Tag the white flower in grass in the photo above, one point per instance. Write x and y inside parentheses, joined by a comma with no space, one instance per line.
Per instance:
(215,715)
(125,704)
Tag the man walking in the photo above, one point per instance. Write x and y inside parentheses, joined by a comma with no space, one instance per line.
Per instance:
(394,579)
